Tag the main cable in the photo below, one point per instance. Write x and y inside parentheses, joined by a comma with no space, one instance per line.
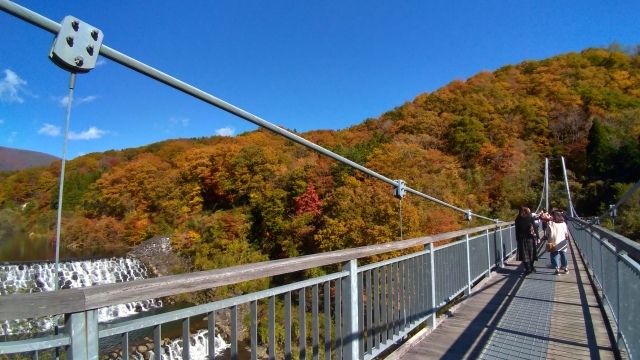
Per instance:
(620,202)
(53,27)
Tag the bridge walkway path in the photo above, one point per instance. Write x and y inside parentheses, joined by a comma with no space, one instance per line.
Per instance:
(513,316)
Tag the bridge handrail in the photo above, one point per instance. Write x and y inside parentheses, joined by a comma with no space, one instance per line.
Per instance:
(371,307)
(631,247)
(614,264)
(31,305)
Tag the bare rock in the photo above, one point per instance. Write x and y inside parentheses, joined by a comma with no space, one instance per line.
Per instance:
(157,254)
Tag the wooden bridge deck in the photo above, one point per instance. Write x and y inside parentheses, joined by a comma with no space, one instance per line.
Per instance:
(512,316)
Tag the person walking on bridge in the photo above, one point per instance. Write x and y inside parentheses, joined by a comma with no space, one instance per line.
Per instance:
(558,235)
(526,237)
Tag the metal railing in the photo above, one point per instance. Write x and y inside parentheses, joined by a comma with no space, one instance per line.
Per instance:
(614,262)
(362,310)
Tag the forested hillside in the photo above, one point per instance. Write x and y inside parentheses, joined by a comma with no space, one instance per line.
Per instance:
(16,159)
(479,144)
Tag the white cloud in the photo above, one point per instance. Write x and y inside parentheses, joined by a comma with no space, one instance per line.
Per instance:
(92,133)
(179,120)
(11,87)
(65,100)
(50,130)
(225,131)
(1,121)
(100,62)
(12,136)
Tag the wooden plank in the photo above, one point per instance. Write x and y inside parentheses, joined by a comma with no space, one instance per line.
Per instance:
(577,329)
(459,335)
(32,305)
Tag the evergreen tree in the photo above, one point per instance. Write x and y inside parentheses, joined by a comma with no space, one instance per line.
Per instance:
(600,151)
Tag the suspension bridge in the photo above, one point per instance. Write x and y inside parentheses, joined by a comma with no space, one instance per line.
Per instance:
(460,294)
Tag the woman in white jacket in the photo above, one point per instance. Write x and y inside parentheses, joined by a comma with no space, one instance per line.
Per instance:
(558,236)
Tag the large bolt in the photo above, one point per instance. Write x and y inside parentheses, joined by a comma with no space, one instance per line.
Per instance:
(75,24)
(90,49)
(70,40)
(94,34)
(79,60)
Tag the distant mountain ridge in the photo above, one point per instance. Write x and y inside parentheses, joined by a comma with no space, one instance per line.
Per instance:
(17,159)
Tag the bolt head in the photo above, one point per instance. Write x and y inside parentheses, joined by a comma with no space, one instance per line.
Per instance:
(75,24)
(94,34)
(70,40)
(79,60)
(90,49)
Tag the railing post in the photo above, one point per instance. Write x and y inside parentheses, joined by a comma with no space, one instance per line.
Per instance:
(512,237)
(432,321)
(590,258)
(93,339)
(619,285)
(499,229)
(486,232)
(75,327)
(600,276)
(350,303)
(468,290)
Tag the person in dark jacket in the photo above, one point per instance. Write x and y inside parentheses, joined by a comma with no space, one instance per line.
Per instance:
(526,237)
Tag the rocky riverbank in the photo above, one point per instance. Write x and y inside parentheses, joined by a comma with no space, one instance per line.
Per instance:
(158,256)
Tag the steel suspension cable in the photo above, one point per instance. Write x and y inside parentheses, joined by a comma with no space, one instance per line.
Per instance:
(53,27)
(72,84)
(544,185)
(400,206)
(624,198)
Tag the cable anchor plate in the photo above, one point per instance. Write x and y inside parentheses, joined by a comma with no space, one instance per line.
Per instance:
(399,189)
(77,45)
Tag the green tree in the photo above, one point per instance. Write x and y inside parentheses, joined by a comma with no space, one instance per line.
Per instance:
(600,151)
(466,136)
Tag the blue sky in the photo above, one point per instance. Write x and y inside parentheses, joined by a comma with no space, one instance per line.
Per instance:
(304,65)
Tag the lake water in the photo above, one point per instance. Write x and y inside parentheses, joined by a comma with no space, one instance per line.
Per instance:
(24,248)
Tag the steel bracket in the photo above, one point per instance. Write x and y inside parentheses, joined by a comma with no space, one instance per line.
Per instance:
(399,190)
(77,45)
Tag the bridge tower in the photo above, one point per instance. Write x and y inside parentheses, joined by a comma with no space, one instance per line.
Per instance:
(565,179)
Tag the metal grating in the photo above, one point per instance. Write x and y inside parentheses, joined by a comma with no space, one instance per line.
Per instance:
(523,331)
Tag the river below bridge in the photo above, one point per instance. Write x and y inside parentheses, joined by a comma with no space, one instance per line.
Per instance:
(22,247)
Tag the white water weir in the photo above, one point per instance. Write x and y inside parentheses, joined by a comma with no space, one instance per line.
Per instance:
(38,277)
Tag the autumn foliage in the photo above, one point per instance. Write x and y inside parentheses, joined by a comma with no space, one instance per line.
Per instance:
(478,144)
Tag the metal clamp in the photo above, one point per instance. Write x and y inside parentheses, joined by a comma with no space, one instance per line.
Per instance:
(467,215)
(77,45)
(399,190)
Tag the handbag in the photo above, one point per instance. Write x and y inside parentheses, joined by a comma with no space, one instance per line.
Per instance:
(551,247)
